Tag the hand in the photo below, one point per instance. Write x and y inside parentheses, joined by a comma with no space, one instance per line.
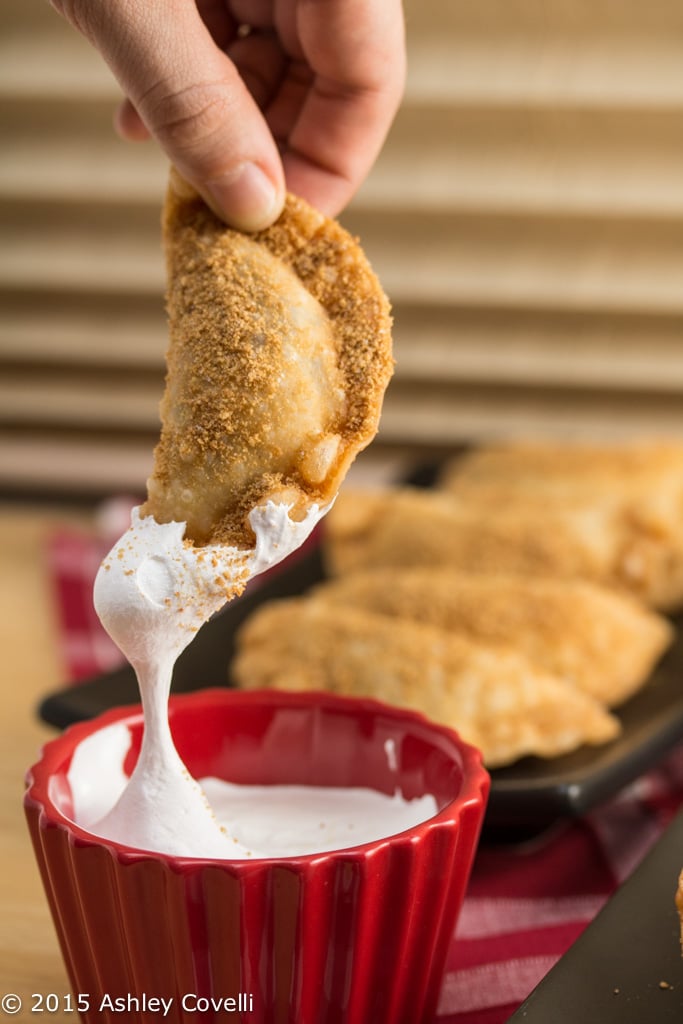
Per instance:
(301,99)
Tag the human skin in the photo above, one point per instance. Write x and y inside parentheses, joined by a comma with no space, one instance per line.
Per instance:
(251,98)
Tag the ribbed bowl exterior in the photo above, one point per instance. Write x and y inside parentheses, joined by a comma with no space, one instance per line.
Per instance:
(356,936)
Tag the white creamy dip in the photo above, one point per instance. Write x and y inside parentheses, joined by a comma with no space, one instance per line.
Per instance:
(258,821)
(152,593)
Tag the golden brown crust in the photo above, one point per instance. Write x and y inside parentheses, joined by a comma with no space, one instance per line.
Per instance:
(493,696)
(557,465)
(606,540)
(405,527)
(602,642)
(635,489)
(280,352)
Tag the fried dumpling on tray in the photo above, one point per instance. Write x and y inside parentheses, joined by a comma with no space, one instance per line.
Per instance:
(593,540)
(603,642)
(568,470)
(635,487)
(410,527)
(493,696)
(280,352)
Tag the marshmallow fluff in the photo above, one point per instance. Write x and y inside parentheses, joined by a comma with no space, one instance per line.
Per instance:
(152,593)
(258,821)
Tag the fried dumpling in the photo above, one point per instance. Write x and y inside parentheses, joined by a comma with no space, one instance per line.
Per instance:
(568,470)
(593,540)
(603,642)
(493,696)
(280,352)
(411,527)
(636,488)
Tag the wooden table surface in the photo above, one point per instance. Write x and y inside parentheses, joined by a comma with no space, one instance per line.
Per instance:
(30,960)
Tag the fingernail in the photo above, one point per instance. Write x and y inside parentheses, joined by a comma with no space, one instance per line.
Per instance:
(246,198)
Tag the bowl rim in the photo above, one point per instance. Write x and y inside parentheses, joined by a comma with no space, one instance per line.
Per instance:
(471,799)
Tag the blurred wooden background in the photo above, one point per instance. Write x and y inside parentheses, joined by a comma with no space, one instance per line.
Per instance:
(526,218)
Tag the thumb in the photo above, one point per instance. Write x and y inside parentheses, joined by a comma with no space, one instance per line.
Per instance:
(190,96)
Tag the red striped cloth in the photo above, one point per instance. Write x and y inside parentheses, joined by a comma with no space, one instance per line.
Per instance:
(73,558)
(526,903)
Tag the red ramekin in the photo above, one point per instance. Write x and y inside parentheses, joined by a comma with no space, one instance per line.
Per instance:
(355,936)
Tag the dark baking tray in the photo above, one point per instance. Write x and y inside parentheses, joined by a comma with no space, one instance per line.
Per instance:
(530,794)
(626,968)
